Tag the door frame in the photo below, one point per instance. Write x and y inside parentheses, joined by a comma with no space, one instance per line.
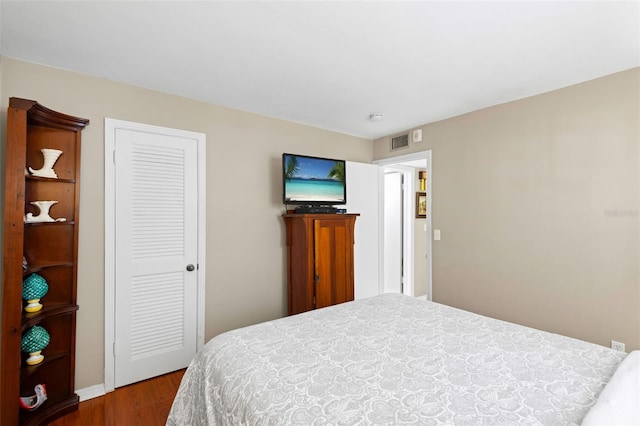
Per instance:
(409,215)
(110,127)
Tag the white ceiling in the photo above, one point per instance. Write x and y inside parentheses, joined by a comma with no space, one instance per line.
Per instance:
(332,64)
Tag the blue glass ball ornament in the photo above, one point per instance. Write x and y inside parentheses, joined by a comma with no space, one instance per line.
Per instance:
(33,341)
(34,287)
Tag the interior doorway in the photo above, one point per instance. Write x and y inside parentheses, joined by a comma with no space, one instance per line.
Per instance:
(415,233)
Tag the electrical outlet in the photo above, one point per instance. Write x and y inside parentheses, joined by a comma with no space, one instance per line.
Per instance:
(617,346)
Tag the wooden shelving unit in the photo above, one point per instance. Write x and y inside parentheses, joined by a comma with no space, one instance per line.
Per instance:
(50,249)
(319,260)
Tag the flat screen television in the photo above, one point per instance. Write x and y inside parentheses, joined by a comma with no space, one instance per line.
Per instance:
(313,181)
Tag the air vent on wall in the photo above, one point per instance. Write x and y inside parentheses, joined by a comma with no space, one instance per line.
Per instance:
(398,142)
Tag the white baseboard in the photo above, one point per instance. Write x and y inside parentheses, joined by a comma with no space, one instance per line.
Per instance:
(91,392)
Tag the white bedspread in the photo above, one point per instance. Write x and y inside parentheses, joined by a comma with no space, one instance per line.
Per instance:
(391,360)
(619,402)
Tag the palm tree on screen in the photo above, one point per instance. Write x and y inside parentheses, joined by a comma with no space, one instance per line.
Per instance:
(337,172)
(292,167)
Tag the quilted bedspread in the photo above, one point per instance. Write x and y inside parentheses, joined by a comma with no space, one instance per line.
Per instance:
(392,360)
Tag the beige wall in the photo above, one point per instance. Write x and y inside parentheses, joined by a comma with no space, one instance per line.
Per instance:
(537,201)
(246,279)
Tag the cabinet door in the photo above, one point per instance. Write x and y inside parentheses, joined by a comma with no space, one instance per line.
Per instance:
(333,256)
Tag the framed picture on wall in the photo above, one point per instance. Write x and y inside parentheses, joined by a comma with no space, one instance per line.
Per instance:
(421,205)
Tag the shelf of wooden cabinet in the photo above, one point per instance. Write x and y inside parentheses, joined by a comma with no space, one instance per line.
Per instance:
(41,266)
(44,179)
(67,223)
(27,370)
(52,408)
(48,311)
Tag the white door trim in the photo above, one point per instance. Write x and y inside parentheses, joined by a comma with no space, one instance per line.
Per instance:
(409,214)
(110,126)
(429,232)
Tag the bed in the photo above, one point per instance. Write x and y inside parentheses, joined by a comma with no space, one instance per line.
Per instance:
(393,360)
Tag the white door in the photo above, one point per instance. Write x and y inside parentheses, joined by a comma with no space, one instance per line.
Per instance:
(393,231)
(156,253)
(362,197)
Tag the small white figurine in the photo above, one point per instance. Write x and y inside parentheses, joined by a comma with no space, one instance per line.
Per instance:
(50,157)
(34,401)
(43,216)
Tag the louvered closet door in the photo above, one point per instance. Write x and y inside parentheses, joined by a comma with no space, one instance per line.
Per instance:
(156,239)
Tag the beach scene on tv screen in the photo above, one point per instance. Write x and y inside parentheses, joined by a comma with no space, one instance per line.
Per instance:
(313,179)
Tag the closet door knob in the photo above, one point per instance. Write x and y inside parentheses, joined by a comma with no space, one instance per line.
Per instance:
(190,267)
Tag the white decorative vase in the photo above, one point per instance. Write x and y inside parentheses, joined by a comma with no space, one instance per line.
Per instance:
(50,157)
(43,216)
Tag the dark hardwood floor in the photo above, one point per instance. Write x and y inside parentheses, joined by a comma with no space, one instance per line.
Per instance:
(144,403)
